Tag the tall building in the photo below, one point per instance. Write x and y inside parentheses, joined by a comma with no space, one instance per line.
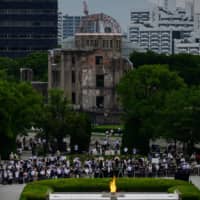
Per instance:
(156,29)
(180,3)
(70,25)
(167,4)
(197,15)
(60,28)
(196,6)
(27,26)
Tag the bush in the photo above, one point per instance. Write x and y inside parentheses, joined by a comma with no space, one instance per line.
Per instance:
(187,192)
(40,189)
(104,128)
(36,191)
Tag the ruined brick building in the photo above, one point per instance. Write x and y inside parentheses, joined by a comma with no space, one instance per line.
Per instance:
(89,66)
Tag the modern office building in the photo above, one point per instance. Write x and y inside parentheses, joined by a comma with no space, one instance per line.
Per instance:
(157,28)
(60,28)
(196,15)
(27,26)
(72,24)
(138,16)
(190,45)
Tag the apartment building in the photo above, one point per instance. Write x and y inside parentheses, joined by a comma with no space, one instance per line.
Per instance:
(156,29)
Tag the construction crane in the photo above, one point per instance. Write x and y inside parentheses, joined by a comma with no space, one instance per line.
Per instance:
(85,8)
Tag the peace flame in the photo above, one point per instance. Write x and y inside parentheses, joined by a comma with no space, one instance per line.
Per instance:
(113,187)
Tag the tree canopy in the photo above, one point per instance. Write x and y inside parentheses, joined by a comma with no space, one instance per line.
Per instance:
(59,120)
(20,107)
(181,117)
(186,65)
(142,93)
(37,61)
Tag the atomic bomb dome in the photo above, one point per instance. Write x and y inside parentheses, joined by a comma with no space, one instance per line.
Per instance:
(99,23)
(89,66)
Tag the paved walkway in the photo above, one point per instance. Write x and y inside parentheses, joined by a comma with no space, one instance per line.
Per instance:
(10,192)
(195,180)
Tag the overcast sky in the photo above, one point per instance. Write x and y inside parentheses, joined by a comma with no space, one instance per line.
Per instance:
(119,9)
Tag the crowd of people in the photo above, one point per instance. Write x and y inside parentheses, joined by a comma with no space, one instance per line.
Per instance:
(102,160)
(61,166)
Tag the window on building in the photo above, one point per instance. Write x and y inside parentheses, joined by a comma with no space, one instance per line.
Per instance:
(100,101)
(107,44)
(111,44)
(99,80)
(96,43)
(73,60)
(87,43)
(73,77)
(92,43)
(55,78)
(99,60)
(57,59)
(73,98)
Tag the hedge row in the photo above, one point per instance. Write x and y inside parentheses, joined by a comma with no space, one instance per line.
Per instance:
(40,189)
(104,128)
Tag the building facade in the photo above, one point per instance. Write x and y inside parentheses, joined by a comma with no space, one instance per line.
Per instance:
(157,29)
(60,28)
(27,26)
(70,25)
(190,45)
(89,71)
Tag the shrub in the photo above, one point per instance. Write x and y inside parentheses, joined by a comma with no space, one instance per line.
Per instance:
(104,128)
(187,192)
(40,189)
(36,191)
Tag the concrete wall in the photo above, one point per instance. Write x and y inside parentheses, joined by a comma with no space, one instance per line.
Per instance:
(82,63)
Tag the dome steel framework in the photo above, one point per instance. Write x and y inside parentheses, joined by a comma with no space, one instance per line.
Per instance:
(95,22)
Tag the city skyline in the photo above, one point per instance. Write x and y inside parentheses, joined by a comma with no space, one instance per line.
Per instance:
(75,7)
(120,11)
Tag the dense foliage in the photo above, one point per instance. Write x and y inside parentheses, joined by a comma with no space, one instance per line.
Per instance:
(158,103)
(109,128)
(37,61)
(186,65)
(58,120)
(20,106)
(39,190)
(142,93)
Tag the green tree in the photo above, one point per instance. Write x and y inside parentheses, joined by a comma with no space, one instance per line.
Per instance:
(186,65)
(38,62)
(20,106)
(80,126)
(181,117)
(53,119)
(142,92)
(60,120)
(10,68)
